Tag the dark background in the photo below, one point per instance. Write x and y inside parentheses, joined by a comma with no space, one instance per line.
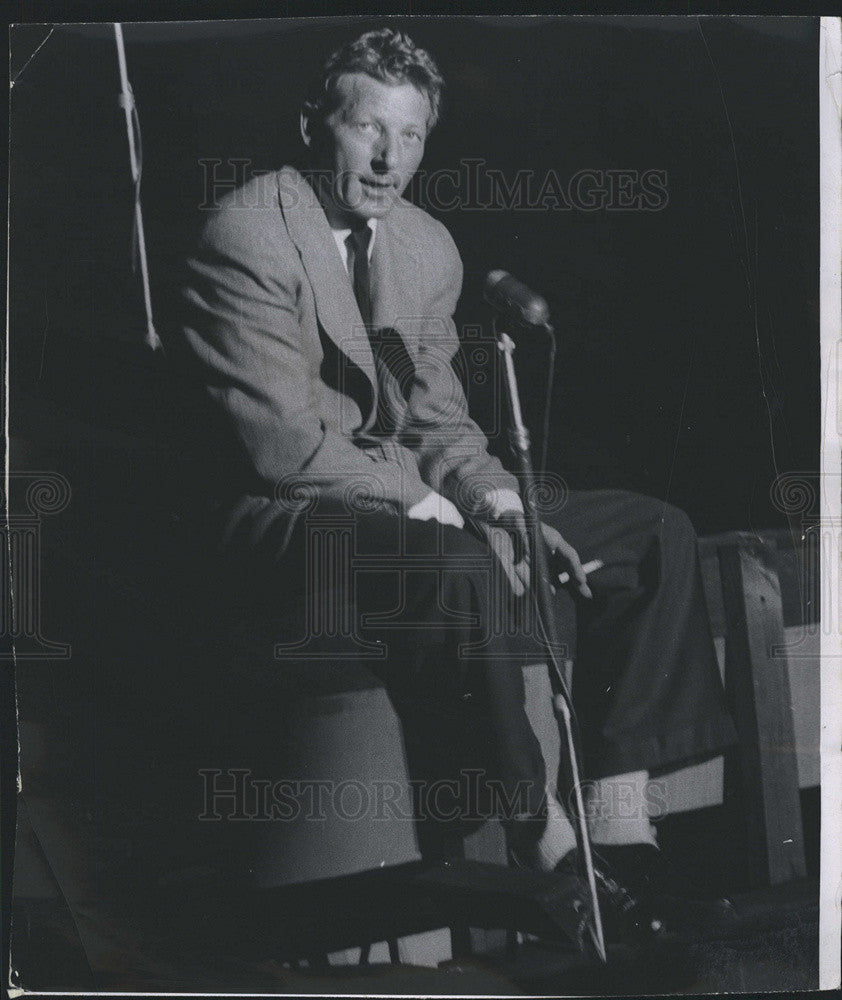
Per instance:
(689,343)
(689,340)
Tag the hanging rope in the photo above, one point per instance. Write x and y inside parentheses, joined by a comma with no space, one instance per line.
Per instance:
(127,103)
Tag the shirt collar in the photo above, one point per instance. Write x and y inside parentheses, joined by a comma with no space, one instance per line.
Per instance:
(340,235)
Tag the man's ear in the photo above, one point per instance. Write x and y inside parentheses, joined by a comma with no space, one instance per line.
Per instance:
(306,126)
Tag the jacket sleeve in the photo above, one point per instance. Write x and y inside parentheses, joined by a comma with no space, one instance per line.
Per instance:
(452,450)
(243,333)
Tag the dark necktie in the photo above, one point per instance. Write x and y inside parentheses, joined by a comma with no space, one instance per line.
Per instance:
(389,354)
(357,243)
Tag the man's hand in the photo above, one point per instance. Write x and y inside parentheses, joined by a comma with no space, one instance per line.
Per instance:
(506,537)
(565,559)
(436,507)
(504,528)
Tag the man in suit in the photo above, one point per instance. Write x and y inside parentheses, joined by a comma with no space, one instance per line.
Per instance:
(319,318)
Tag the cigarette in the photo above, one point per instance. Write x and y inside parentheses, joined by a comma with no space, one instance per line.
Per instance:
(589,567)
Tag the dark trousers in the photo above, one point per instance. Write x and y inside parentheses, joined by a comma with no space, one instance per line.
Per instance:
(646,685)
(647,688)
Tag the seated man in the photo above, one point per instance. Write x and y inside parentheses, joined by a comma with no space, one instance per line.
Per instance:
(319,318)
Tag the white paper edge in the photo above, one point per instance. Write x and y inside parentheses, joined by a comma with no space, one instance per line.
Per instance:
(830,167)
(830,185)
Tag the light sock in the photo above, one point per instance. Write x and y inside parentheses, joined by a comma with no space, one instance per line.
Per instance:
(617,810)
(557,839)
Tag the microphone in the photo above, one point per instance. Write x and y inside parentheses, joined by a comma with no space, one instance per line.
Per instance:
(517,302)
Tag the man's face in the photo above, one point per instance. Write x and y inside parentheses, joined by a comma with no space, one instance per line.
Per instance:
(370,146)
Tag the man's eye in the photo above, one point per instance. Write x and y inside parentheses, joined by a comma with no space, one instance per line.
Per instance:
(413,135)
(366,126)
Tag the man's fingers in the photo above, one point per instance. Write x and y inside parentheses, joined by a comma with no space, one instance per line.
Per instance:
(581,578)
(576,571)
(509,540)
(514,523)
(522,571)
(564,578)
(588,567)
(501,545)
(520,546)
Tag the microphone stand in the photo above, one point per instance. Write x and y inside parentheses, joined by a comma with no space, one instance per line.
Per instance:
(542,595)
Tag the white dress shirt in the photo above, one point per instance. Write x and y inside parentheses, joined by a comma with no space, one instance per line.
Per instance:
(340,235)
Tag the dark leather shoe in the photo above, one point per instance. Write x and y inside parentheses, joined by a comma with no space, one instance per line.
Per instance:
(628,916)
(683,907)
(568,898)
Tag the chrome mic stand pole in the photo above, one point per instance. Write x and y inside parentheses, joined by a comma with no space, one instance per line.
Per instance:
(540,586)
(127,103)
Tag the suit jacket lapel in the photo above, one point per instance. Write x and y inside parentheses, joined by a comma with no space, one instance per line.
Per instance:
(394,278)
(335,302)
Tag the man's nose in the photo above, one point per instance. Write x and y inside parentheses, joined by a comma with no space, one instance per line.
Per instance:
(387,154)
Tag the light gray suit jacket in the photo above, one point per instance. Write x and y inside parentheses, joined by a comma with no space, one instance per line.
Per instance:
(273,326)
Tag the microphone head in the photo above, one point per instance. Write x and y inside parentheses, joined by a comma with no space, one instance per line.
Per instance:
(512,297)
(494,278)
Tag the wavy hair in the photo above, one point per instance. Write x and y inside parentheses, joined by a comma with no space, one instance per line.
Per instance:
(386,55)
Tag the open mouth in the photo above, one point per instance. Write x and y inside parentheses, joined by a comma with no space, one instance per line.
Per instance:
(378,187)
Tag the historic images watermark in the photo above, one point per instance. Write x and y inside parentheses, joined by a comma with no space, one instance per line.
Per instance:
(236,794)
(797,494)
(472,186)
(335,568)
(417,351)
(26,498)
